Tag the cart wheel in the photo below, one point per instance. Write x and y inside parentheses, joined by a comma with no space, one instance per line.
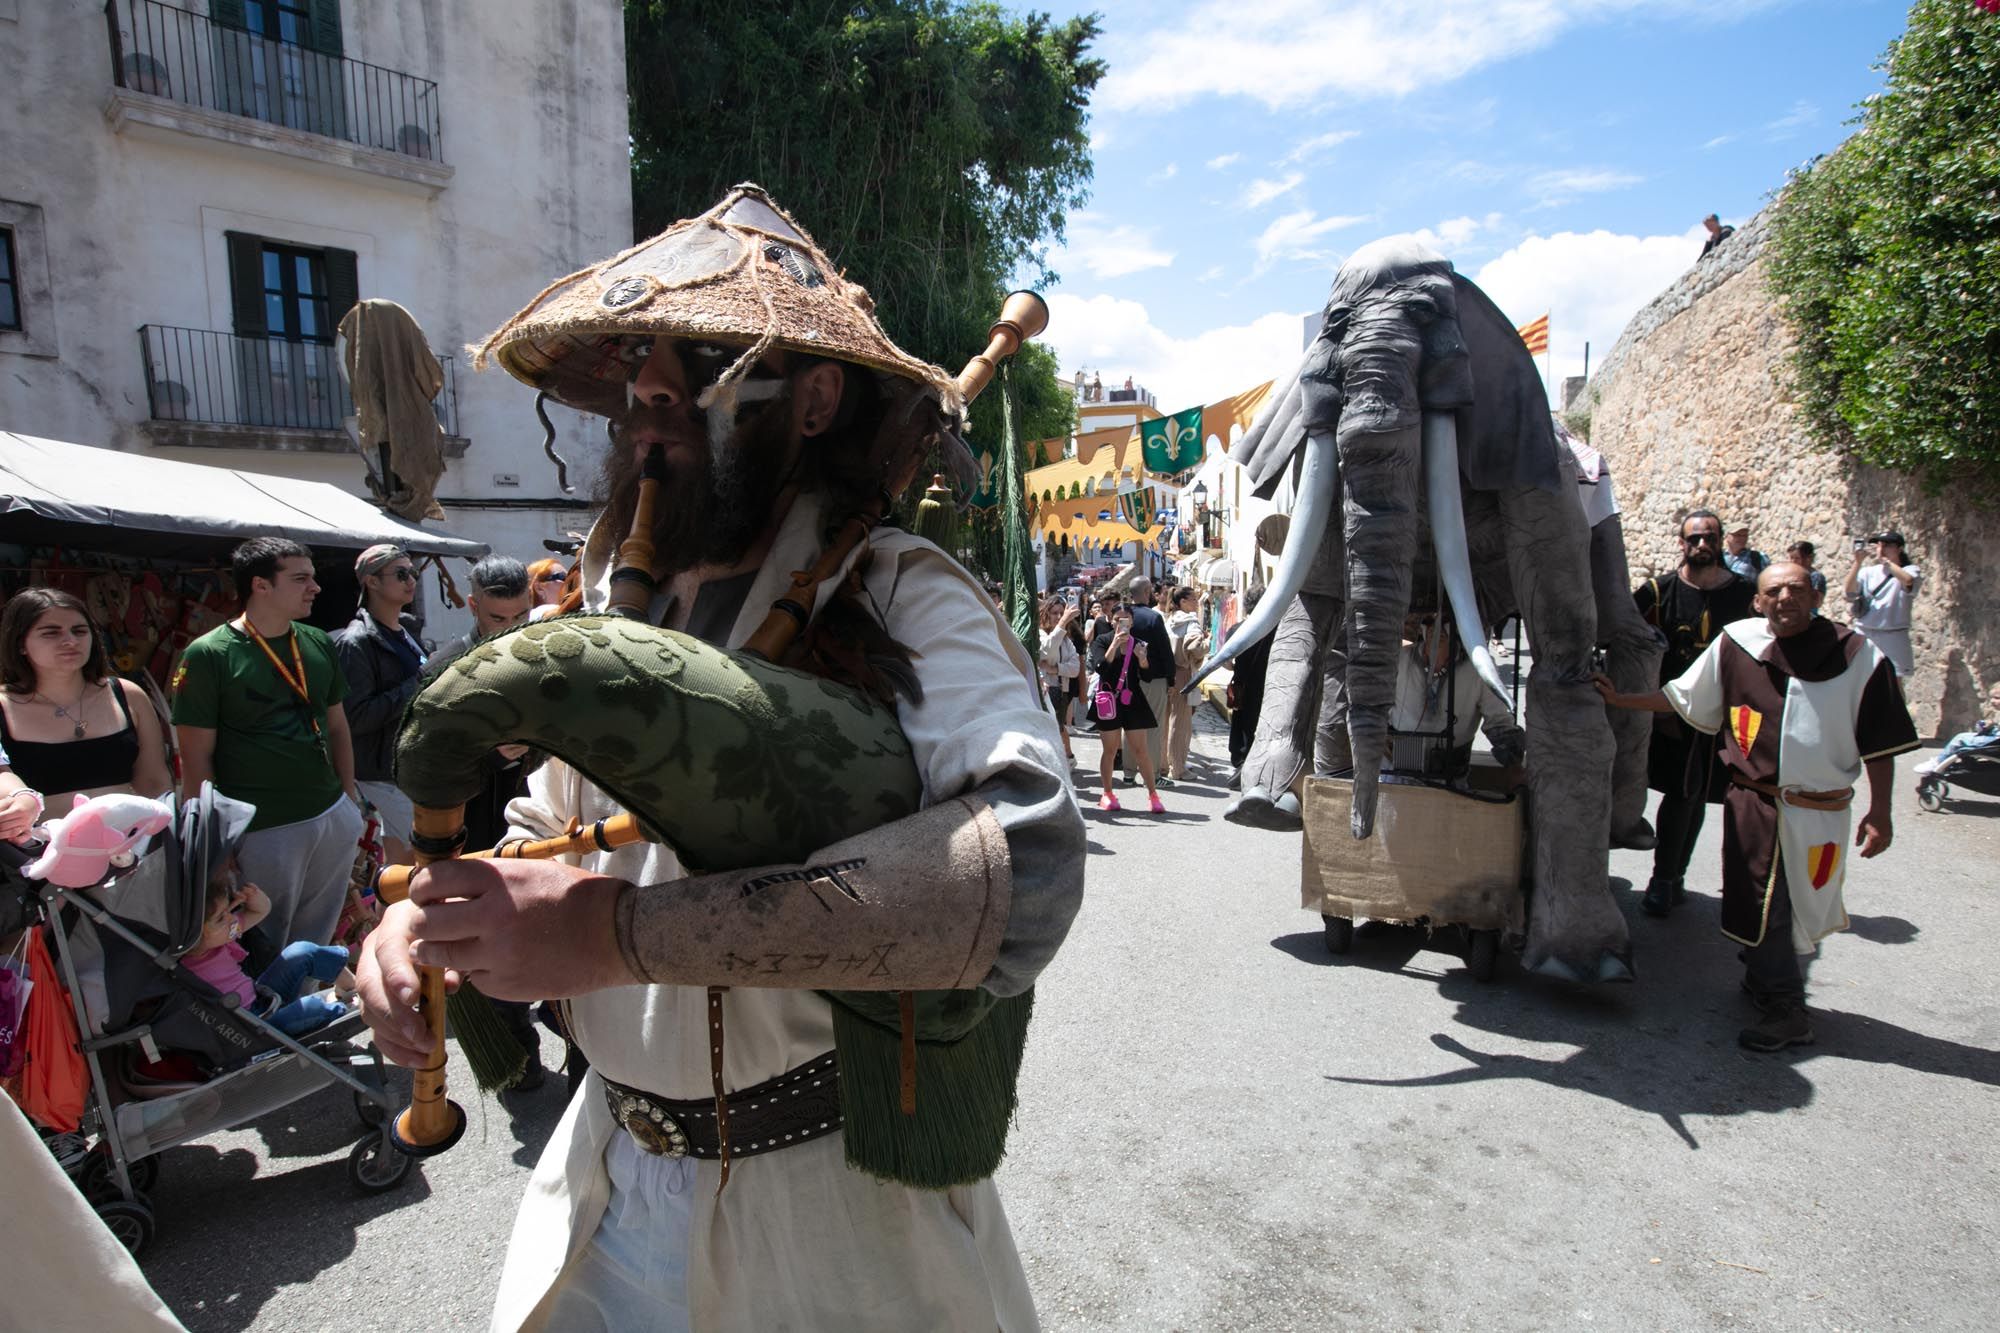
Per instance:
(1930,795)
(1483,953)
(1339,933)
(375,1166)
(130,1220)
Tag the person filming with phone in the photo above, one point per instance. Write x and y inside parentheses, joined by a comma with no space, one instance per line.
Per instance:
(1880,587)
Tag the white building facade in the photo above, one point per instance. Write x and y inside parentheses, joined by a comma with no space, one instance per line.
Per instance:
(192,195)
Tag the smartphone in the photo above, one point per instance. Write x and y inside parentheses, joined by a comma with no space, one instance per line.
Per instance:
(1070,595)
(1860,543)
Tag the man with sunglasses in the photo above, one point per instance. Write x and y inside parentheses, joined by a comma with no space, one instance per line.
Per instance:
(1690,606)
(383,662)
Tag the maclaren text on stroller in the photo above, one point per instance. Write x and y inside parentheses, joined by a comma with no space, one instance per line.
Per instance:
(119,947)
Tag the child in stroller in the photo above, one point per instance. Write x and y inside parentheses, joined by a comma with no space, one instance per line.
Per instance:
(1970,760)
(234,907)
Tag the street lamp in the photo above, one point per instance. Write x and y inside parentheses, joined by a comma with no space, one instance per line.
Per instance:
(1200,496)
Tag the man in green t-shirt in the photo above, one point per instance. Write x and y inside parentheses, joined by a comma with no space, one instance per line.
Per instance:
(257,711)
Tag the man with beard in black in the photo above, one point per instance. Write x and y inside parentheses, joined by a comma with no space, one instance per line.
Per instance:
(1690,606)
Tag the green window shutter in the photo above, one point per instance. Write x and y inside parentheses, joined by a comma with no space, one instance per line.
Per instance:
(326,27)
(246,283)
(343,286)
(228,12)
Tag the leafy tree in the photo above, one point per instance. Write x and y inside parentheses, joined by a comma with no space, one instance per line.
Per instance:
(1886,253)
(932,148)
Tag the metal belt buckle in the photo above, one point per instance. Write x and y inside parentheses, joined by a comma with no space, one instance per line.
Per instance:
(656,1131)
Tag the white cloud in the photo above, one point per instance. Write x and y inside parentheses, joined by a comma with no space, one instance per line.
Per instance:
(1582,180)
(1286,53)
(1319,143)
(1720,140)
(1262,192)
(1589,283)
(1118,338)
(1164,174)
(1226,159)
(1296,236)
(1211,273)
(1802,114)
(1454,234)
(1108,250)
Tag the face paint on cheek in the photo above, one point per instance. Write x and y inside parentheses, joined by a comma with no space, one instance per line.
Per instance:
(722,403)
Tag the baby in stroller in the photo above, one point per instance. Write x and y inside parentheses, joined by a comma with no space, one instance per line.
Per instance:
(234,907)
(1984,738)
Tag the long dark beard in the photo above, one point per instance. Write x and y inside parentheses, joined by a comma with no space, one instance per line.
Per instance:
(714,505)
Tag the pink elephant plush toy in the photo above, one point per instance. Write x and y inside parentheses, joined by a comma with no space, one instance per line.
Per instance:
(96,833)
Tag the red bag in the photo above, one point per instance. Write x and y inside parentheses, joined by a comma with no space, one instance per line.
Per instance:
(51,1089)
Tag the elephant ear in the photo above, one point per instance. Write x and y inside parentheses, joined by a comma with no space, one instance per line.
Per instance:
(1505,438)
(1275,437)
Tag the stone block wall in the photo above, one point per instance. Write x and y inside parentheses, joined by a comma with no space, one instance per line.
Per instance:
(1694,409)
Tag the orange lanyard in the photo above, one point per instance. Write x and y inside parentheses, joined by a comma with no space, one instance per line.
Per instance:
(298,681)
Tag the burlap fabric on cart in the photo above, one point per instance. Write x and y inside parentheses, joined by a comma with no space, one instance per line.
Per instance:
(1434,854)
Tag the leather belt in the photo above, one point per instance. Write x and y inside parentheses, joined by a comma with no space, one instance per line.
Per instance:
(796,1107)
(1804,800)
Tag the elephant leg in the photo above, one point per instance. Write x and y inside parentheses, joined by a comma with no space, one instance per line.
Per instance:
(1632,659)
(1289,720)
(1332,750)
(1575,931)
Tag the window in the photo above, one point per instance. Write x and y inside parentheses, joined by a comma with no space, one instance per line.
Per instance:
(280,61)
(288,301)
(10,287)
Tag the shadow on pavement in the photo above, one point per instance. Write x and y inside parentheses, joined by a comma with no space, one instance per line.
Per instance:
(532,1116)
(1882,929)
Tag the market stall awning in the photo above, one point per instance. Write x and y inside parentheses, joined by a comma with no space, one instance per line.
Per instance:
(57,493)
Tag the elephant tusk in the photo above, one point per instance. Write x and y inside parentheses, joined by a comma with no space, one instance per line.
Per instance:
(1309,519)
(1447,514)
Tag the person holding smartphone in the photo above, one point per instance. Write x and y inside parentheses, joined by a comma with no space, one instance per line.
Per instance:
(1880,586)
(1118,707)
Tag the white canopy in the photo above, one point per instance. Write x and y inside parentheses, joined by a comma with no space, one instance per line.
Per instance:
(50,488)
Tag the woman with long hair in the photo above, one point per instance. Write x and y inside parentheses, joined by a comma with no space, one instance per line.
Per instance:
(1190,651)
(67,725)
(1120,711)
(545,587)
(1061,664)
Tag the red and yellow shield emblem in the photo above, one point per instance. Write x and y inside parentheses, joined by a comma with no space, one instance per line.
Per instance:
(1744,724)
(1821,861)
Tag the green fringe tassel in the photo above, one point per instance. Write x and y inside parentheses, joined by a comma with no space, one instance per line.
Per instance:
(496,1058)
(965,1087)
(937,518)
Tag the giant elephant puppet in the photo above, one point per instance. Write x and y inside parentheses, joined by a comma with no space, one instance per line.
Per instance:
(1418,398)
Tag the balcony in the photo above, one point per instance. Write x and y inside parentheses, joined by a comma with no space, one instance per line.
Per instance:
(180,73)
(206,389)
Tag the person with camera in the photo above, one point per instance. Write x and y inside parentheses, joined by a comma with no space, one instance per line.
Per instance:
(1119,710)
(1880,586)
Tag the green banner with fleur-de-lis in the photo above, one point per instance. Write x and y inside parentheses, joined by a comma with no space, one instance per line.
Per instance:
(1136,509)
(1172,444)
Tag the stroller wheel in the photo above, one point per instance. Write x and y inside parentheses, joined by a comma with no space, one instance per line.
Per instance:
(99,1182)
(130,1220)
(1931,794)
(375,1166)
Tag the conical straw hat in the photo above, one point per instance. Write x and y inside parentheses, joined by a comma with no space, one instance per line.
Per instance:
(742,272)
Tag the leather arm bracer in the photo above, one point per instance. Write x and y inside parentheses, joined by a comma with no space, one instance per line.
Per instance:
(917,904)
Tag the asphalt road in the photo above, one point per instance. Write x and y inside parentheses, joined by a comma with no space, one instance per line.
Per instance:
(1222,1127)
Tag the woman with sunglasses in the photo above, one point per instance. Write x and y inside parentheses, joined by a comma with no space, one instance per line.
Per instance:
(545,584)
(68,726)
(383,662)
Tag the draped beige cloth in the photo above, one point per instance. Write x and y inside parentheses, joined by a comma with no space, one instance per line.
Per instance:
(394,380)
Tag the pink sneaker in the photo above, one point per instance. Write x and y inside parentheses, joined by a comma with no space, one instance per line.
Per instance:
(1108,802)
(1159,806)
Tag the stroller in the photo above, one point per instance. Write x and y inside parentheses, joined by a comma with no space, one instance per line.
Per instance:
(170,1059)
(1974,770)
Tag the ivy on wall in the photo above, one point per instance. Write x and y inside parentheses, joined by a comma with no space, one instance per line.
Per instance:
(1887,252)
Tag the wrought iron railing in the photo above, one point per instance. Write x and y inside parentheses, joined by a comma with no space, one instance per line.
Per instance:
(203,376)
(174,53)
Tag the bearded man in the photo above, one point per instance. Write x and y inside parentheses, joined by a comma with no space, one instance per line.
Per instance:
(1803,706)
(752,380)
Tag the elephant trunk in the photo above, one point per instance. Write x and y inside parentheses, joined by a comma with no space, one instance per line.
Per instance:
(1379,472)
(1310,516)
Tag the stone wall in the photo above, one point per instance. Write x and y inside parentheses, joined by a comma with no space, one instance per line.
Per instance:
(1693,408)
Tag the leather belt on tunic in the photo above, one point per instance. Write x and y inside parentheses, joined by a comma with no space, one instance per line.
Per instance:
(1804,800)
(796,1107)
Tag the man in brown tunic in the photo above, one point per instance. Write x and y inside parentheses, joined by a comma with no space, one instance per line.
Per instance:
(1803,705)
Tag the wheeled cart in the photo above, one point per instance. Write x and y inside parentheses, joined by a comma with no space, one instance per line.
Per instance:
(1439,856)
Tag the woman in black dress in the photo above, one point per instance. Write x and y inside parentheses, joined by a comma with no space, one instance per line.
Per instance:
(1117,658)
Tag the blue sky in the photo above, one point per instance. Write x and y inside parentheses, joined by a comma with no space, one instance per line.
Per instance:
(1560,152)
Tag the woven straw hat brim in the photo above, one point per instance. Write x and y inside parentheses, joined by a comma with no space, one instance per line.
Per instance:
(742,273)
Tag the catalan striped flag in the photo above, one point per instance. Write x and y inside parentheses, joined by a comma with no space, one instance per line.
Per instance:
(1535,333)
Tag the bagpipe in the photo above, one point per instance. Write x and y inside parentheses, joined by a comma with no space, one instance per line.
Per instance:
(734,760)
